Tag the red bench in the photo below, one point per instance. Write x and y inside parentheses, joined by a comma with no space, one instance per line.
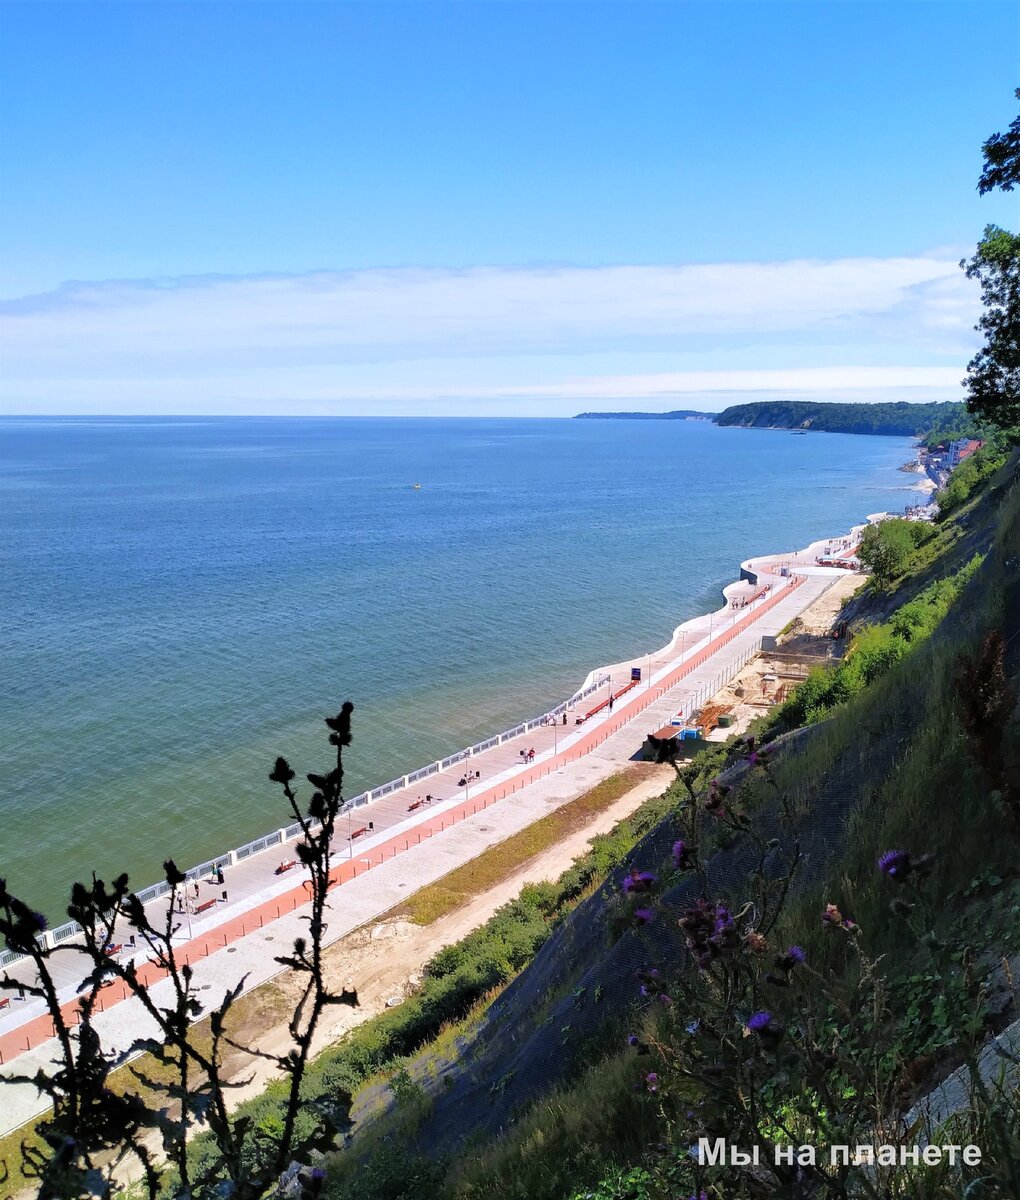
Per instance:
(112,948)
(358,833)
(285,866)
(5,1002)
(200,908)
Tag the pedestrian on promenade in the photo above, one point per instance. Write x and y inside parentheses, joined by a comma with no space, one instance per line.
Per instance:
(610,701)
(219,875)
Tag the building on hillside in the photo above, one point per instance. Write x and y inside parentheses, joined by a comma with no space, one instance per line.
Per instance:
(960,449)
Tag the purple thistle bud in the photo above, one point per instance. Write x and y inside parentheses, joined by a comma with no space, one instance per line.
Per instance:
(643,916)
(895,864)
(681,855)
(797,954)
(639,881)
(652,1081)
(759,1021)
(633,1040)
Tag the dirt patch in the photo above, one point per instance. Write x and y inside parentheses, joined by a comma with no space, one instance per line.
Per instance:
(768,679)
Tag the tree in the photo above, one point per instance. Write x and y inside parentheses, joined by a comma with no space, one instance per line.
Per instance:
(95,1125)
(886,547)
(1002,159)
(993,374)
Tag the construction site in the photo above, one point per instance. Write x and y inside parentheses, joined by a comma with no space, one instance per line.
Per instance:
(814,639)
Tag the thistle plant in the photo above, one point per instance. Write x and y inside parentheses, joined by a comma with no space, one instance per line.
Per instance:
(102,1128)
(749,1041)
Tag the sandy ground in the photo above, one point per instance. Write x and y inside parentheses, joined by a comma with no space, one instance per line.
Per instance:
(766,680)
(385,958)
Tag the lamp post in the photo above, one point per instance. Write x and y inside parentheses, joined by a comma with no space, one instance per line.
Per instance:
(649,684)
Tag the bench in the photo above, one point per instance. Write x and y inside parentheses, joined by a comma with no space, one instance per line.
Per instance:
(358,833)
(5,1002)
(112,948)
(206,904)
(415,806)
(285,866)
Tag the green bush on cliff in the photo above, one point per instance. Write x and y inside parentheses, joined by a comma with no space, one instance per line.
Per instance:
(874,652)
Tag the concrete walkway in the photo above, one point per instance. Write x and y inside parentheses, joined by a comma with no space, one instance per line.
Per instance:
(403,852)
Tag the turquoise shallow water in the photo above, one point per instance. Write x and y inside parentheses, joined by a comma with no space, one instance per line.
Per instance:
(182,600)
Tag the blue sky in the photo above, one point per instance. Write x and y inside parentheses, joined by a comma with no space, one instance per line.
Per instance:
(491,207)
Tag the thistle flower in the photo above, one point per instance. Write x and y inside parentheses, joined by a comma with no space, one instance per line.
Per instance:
(895,864)
(639,881)
(755,942)
(832,918)
(793,956)
(652,1081)
(633,1040)
(769,1028)
(643,916)
(681,855)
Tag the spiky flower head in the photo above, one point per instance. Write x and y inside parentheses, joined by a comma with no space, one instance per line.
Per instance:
(895,864)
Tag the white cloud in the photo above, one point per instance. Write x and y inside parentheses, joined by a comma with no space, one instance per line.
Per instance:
(405,335)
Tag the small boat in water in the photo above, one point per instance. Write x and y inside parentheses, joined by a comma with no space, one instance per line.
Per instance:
(417,487)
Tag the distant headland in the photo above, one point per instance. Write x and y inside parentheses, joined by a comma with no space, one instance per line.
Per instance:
(942,421)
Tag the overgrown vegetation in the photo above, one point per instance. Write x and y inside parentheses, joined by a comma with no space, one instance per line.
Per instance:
(967,478)
(887,547)
(874,651)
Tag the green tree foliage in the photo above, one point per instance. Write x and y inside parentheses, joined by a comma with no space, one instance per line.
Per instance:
(993,374)
(970,473)
(1002,159)
(886,547)
(898,420)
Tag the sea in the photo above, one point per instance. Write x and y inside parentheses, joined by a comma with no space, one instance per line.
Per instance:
(183,600)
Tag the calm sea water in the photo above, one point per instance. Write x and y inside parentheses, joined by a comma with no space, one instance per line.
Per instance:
(182,600)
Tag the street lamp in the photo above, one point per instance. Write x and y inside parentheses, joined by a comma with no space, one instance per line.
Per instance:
(649,668)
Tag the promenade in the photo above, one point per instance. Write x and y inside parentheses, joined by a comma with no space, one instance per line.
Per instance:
(412,844)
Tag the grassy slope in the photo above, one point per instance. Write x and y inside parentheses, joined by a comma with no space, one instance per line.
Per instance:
(889,768)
